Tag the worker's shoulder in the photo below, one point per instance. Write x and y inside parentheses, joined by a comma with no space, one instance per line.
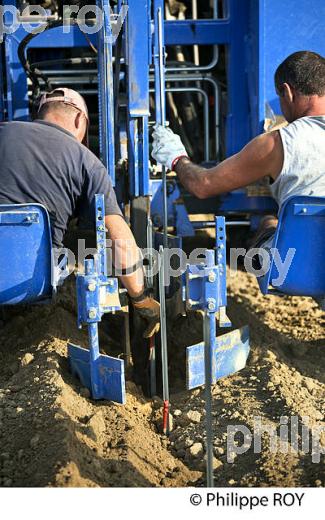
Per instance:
(12,126)
(266,144)
(268,140)
(91,161)
(16,132)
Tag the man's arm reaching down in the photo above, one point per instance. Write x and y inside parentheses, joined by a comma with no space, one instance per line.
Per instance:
(127,259)
(126,255)
(262,157)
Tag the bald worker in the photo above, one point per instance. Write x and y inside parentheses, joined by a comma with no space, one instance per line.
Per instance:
(47,161)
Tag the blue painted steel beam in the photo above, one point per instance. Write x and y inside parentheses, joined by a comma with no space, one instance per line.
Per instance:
(238,117)
(137,32)
(138,58)
(106,92)
(202,32)
(56,39)
(2,103)
(17,94)
(199,32)
(160,117)
(236,201)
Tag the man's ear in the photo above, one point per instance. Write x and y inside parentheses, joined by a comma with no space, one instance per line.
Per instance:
(78,120)
(288,92)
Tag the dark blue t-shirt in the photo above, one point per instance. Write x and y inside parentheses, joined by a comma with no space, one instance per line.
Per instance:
(41,162)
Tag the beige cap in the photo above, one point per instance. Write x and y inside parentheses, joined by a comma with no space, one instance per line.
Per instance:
(69,97)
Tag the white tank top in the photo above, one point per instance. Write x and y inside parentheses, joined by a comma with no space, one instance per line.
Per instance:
(303,171)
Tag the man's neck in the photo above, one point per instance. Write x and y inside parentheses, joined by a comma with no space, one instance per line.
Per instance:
(315,106)
(55,120)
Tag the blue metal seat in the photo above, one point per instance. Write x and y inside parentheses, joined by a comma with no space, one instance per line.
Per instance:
(26,262)
(29,274)
(302,228)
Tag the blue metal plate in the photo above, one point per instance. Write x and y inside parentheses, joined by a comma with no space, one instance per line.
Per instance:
(230,356)
(110,381)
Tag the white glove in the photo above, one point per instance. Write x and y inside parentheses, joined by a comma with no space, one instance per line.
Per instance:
(167,146)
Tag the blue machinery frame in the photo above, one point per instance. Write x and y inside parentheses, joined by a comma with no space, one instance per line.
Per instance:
(258,35)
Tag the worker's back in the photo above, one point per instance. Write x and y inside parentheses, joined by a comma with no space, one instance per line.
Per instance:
(303,171)
(43,163)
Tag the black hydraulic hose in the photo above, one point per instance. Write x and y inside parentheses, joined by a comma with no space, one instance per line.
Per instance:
(32,71)
(86,60)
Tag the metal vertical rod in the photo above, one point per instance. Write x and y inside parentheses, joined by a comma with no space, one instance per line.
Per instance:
(106,91)
(127,339)
(150,282)
(93,337)
(2,103)
(196,47)
(163,331)
(93,342)
(162,95)
(93,355)
(101,234)
(209,349)
(150,249)
(152,362)
(209,341)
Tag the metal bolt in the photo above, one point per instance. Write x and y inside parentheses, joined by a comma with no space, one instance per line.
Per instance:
(92,286)
(211,304)
(304,210)
(92,313)
(212,277)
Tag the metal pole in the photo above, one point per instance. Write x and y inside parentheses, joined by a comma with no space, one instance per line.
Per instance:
(209,335)
(201,224)
(150,283)
(162,94)
(163,331)
(93,355)
(209,348)
(196,47)
(150,260)
(93,338)
(105,93)
(127,339)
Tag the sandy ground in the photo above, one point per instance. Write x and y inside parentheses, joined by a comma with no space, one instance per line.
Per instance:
(52,434)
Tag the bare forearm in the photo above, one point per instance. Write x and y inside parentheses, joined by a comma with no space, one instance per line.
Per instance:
(192,177)
(262,157)
(134,283)
(126,255)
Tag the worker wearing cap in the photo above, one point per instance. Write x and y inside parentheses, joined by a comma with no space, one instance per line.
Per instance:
(292,157)
(48,162)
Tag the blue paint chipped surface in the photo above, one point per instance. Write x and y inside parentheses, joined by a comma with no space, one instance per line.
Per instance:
(230,355)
